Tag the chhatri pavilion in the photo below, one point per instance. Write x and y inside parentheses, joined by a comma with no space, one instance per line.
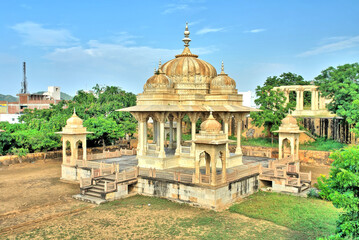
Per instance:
(185,85)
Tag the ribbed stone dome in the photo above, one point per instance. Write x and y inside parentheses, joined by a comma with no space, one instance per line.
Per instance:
(223,81)
(289,122)
(158,80)
(74,121)
(187,67)
(211,125)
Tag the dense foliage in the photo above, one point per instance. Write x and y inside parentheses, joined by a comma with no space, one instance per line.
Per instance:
(342,188)
(37,130)
(272,103)
(342,85)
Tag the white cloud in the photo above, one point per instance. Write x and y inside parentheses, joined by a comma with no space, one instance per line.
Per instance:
(209,30)
(257,30)
(35,34)
(171,8)
(79,67)
(333,47)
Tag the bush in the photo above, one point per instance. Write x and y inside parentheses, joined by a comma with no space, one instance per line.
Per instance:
(323,187)
(313,193)
(341,187)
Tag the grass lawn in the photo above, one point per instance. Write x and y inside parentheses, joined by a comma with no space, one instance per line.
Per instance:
(141,217)
(321,144)
(311,217)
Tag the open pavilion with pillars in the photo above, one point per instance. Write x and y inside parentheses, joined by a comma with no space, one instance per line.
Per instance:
(185,85)
(318,102)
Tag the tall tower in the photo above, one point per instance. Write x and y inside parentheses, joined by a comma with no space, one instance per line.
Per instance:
(24,82)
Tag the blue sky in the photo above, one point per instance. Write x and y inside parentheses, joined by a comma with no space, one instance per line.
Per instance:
(76,44)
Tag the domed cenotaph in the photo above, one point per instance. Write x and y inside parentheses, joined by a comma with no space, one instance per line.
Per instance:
(185,85)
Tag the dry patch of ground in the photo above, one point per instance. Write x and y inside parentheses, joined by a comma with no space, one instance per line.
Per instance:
(32,193)
(35,204)
(142,217)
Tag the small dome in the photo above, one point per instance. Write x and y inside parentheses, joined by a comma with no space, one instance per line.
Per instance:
(289,123)
(74,121)
(158,80)
(223,81)
(289,120)
(211,125)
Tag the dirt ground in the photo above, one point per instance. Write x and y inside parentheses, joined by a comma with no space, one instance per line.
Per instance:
(32,192)
(36,204)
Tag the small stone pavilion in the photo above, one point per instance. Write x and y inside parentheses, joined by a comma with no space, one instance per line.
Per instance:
(289,136)
(74,134)
(185,85)
(318,102)
(211,145)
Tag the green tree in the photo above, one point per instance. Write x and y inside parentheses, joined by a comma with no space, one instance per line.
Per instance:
(342,188)
(36,132)
(272,103)
(273,110)
(342,85)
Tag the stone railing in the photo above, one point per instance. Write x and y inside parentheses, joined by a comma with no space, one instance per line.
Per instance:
(241,173)
(203,178)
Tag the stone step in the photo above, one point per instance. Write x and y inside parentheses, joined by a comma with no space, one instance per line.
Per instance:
(95,190)
(89,199)
(97,187)
(93,194)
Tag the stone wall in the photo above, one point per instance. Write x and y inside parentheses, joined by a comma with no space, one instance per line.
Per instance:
(92,153)
(306,157)
(216,198)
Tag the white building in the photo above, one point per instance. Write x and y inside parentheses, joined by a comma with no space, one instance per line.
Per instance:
(11,118)
(248,99)
(53,93)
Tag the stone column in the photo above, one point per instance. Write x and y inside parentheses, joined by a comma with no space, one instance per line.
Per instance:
(280,147)
(224,168)
(73,152)
(313,101)
(297,147)
(140,138)
(208,164)
(321,102)
(214,170)
(171,132)
(286,94)
(178,133)
(141,118)
(161,117)
(238,118)
(226,117)
(162,153)
(193,118)
(297,107)
(154,131)
(144,145)
(292,145)
(301,99)
(84,149)
(158,135)
(64,156)
(316,100)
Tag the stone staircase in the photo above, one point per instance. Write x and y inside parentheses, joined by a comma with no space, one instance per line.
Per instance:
(96,192)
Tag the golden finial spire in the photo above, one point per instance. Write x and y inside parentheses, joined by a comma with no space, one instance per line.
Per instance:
(186,38)
(155,71)
(159,65)
(222,68)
